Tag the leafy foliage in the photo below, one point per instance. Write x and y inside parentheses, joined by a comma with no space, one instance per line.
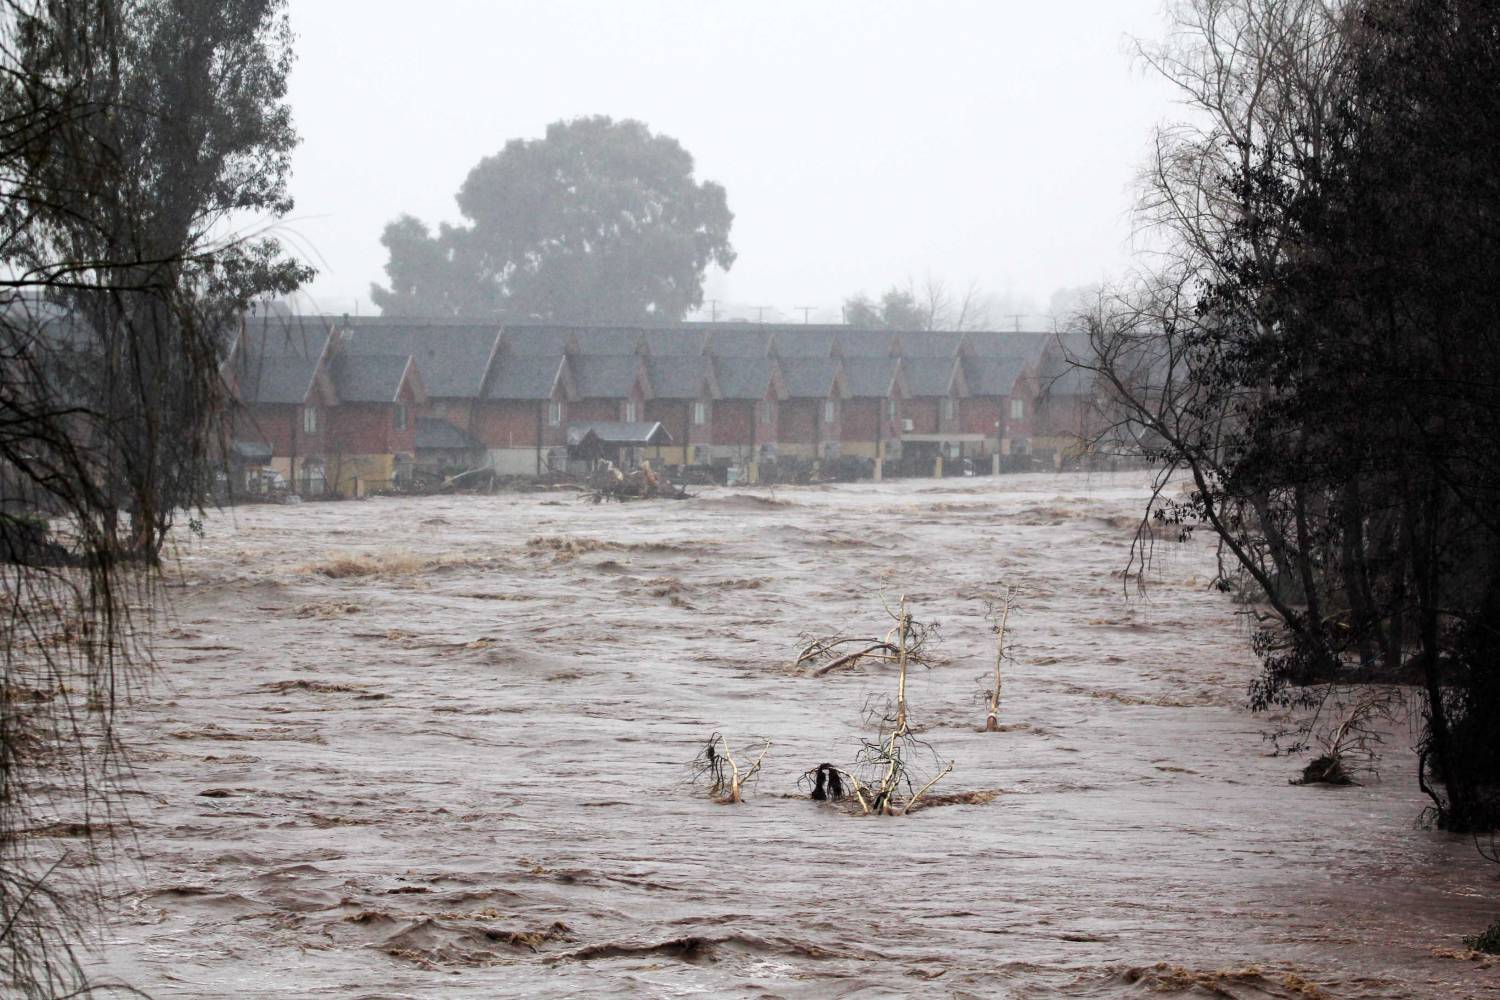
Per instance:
(599,221)
(136,133)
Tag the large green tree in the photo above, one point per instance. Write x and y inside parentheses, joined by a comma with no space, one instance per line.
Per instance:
(598,221)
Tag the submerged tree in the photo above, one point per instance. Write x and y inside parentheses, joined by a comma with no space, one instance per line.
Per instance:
(724,776)
(895,769)
(999,619)
(599,221)
(135,132)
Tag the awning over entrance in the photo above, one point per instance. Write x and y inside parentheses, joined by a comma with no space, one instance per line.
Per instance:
(251,451)
(617,434)
(944,438)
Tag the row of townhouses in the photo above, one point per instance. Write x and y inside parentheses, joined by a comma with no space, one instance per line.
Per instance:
(348,404)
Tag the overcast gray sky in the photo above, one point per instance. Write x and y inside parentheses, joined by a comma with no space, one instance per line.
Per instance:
(860,142)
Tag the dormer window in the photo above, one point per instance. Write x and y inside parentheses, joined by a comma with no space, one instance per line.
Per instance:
(309,420)
(700,413)
(554,413)
(630,412)
(1017,409)
(947,407)
(830,410)
(400,416)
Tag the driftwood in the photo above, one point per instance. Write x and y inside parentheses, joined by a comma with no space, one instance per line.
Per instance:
(834,652)
(882,779)
(992,721)
(607,482)
(453,481)
(717,767)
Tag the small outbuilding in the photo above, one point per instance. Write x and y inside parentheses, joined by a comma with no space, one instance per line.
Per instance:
(623,443)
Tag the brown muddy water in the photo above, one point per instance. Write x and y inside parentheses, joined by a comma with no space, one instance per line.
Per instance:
(457,766)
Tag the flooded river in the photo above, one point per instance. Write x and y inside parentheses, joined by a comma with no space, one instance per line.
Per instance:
(438,747)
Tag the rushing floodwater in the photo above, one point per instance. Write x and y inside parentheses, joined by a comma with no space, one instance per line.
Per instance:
(464,774)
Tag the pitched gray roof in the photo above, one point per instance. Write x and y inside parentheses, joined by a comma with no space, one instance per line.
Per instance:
(930,343)
(368,378)
(1057,374)
(451,357)
(276,380)
(284,337)
(853,343)
(605,376)
(744,378)
(993,376)
(677,376)
(537,341)
(381,319)
(799,342)
(928,376)
(809,377)
(1005,343)
(524,377)
(660,343)
(740,342)
(607,339)
(434,432)
(277,359)
(869,376)
(618,432)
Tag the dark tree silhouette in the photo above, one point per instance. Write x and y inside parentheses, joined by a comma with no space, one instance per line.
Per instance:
(599,221)
(132,134)
(1321,359)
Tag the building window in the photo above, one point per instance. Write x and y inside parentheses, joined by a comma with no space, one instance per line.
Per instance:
(309,420)
(400,416)
(554,413)
(700,413)
(830,410)
(946,406)
(630,414)
(890,409)
(1017,409)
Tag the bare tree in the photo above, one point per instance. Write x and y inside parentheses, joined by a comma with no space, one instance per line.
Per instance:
(1313,350)
(930,304)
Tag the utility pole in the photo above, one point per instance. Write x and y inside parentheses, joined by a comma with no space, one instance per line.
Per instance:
(804,310)
(1017,317)
(760,314)
(713,310)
